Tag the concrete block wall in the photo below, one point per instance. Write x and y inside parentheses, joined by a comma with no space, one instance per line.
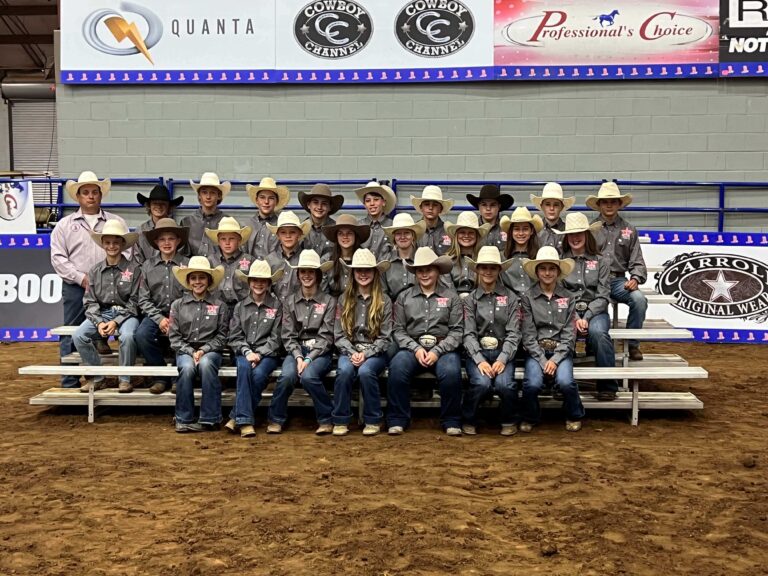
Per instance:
(659,130)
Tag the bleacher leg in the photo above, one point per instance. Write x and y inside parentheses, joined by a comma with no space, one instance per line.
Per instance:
(91,403)
(625,364)
(635,402)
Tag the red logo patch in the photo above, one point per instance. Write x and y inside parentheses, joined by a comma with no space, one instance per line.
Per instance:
(270,313)
(319,308)
(626,233)
(442,302)
(244,264)
(503,236)
(562,303)
(446,240)
(591,264)
(211,310)
(126,276)
(501,300)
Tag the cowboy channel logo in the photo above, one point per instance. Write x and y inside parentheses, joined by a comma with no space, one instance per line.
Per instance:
(333,29)
(111,32)
(434,28)
(13,200)
(717,285)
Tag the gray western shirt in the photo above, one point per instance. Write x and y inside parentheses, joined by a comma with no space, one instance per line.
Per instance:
(495,237)
(309,319)
(143,250)
(437,238)
(377,242)
(289,283)
(111,286)
(619,240)
(198,324)
(316,240)
(330,283)
(159,288)
(553,318)
(397,278)
(199,243)
(548,238)
(589,282)
(514,277)
(462,278)
(256,327)
(360,335)
(441,314)
(495,314)
(232,289)
(261,242)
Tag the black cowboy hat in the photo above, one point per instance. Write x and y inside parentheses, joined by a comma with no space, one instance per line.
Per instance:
(160,193)
(491,192)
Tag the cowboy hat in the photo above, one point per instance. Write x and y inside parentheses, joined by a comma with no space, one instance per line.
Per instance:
(289,219)
(229,224)
(198,264)
(404,221)
(322,191)
(260,270)
(115,228)
(519,216)
(159,194)
(166,225)
(364,258)
(553,191)
(211,179)
(310,259)
(87,177)
(467,220)
(489,255)
(433,193)
(425,256)
(544,255)
(491,192)
(577,222)
(269,184)
(607,191)
(382,190)
(362,231)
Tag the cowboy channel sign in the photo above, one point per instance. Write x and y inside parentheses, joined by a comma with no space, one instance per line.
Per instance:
(370,41)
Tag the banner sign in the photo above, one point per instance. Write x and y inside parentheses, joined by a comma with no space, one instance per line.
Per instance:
(743,37)
(17,207)
(369,41)
(30,291)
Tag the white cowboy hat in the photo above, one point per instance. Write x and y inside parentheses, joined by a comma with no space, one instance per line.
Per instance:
(607,191)
(433,193)
(489,255)
(467,220)
(212,179)
(115,228)
(289,219)
(519,216)
(260,270)
(87,177)
(364,258)
(229,224)
(269,184)
(404,221)
(553,190)
(310,259)
(425,256)
(198,264)
(548,254)
(382,190)
(577,222)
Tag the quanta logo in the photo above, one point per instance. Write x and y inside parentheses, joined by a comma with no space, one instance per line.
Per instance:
(122,30)
(333,29)
(434,28)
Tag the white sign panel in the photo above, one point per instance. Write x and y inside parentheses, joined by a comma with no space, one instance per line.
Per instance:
(17,208)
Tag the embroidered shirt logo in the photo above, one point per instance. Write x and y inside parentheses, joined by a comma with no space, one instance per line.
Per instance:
(626,233)
(442,302)
(211,310)
(270,313)
(591,264)
(562,303)
(501,300)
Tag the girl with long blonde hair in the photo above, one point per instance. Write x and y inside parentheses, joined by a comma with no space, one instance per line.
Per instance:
(467,235)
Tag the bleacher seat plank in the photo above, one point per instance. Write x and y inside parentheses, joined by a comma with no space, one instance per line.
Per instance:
(649,334)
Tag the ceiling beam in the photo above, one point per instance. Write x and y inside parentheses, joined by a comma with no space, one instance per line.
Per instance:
(26,39)
(28,10)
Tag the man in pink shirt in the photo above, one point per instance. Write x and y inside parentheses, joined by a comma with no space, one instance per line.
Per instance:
(73,253)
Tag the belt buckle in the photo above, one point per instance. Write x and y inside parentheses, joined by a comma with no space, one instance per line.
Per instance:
(362,347)
(581,306)
(548,344)
(308,343)
(427,341)
(489,343)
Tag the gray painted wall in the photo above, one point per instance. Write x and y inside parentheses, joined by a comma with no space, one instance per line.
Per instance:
(658,130)
(5,145)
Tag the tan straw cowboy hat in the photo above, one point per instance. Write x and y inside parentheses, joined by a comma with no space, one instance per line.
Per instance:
(322,191)
(553,191)
(433,193)
(404,221)
(608,190)
(310,259)
(211,179)
(260,270)
(87,177)
(373,187)
(467,220)
(521,215)
(229,224)
(577,222)
(115,228)
(548,254)
(289,219)
(425,256)
(364,258)
(198,264)
(167,225)
(269,184)
(489,255)
(362,231)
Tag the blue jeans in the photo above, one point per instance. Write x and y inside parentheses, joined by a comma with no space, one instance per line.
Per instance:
(404,367)
(151,344)
(250,385)
(87,332)
(74,315)
(368,375)
(600,343)
(637,302)
(533,382)
(210,405)
(481,387)
(311,381)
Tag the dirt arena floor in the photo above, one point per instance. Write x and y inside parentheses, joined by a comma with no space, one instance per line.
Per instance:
(685,493)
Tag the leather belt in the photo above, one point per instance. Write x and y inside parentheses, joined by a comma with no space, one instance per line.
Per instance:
(489,343)
(549,344)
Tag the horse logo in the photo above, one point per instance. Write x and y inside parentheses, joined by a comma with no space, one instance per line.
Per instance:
(603,18)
